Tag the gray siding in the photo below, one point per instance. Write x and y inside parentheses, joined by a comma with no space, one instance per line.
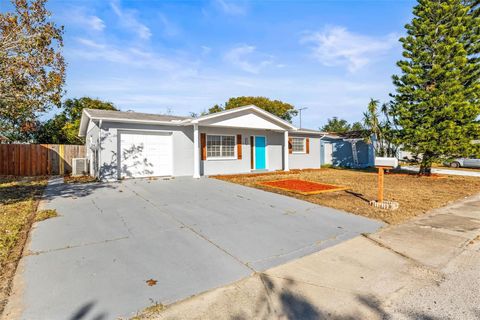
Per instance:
(303,160)
(274,152)
(182,147)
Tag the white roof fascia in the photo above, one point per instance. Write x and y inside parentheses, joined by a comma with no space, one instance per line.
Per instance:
(171,123)
(84,120)
(320,133)
(135,120)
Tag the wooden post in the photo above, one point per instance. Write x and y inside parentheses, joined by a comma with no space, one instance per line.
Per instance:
(61,164)
(380,184)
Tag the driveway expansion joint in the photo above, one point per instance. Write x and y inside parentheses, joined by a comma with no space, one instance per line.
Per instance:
(195,231)
(314,284)
(318,244)
(384,246)
(36,253)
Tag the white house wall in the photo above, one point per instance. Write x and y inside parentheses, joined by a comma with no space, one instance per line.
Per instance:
(232,166)
(91,138)
(303,160)
(182,147)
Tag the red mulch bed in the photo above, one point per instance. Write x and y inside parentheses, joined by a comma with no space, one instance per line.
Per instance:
(302,186)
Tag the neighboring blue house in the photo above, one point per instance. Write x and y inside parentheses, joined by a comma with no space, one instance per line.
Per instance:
(347,150)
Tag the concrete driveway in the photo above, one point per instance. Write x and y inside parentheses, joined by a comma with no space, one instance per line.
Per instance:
(189,236)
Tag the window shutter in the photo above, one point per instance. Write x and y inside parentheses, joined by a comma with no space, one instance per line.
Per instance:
(307,145)
(239,146)
(203,143)
(290,147)
(251,152)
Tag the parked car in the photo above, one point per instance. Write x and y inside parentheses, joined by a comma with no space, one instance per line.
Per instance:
(464,163)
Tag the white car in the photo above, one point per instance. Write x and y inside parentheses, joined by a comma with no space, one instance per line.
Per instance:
(465,163)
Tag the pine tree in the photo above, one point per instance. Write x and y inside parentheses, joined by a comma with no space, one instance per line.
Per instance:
(436,103)
(472,40)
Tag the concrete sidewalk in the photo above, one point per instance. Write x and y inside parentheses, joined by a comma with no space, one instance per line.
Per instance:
(424,269)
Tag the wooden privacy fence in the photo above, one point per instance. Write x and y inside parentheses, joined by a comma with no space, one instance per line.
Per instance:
(38,159)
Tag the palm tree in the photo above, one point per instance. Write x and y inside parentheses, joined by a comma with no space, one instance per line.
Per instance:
(381,129)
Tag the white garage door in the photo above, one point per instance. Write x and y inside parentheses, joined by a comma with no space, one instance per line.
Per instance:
(145,154)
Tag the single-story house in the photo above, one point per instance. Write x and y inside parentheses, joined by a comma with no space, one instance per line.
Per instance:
(241,140)
(347,150)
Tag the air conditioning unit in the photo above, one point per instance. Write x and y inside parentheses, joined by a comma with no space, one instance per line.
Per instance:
(79,166)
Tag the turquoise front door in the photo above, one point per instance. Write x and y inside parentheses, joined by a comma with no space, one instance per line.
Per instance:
(260,155)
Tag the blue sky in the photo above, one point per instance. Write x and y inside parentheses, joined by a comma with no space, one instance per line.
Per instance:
(183,56)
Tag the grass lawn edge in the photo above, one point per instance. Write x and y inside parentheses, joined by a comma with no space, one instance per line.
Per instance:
(10,265)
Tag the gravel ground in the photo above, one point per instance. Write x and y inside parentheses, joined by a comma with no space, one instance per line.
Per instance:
(457,296)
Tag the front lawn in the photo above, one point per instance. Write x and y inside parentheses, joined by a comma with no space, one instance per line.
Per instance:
(416,195)
(18,203)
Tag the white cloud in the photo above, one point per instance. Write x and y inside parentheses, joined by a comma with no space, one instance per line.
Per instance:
(129,20)
(205,50)
(91,43)
(243,58)
(95,23)
(80,16)
(169,28)
(336,46)
(130,56)
(230,7)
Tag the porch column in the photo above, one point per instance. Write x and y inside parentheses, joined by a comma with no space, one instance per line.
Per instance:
(196,152)
(285,151)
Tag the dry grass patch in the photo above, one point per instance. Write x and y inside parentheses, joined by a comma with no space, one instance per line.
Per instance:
(416,195)
(150,312)
(302,186)
(18,203)
(45,214)
(79,179)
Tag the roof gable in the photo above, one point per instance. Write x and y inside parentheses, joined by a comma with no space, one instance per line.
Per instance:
(245,117)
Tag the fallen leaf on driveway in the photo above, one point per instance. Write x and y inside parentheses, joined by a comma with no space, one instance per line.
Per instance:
(151,282)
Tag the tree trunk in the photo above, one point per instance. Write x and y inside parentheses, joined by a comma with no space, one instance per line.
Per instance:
(426,165)
(425,170)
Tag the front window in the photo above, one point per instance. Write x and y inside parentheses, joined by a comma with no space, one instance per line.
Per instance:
(298,145)
(220,146)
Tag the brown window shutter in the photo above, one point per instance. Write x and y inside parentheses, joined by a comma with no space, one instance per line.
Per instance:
(203,143)
(307,145)
(251,152)
(290,148)
(239,146)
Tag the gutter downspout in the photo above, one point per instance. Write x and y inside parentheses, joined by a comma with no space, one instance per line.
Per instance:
(99,149)
(321,149)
